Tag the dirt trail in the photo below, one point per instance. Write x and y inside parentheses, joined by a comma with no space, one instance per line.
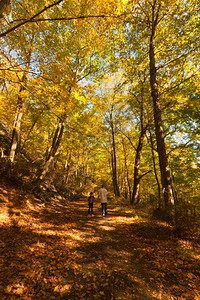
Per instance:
(58,252)
(120,257)
(107,258)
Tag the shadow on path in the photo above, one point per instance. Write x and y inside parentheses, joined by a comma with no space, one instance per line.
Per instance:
(58,252)
(119,258)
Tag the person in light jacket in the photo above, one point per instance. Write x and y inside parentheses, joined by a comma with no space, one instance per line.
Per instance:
(103,199)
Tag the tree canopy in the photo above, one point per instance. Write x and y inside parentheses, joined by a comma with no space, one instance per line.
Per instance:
(103,91)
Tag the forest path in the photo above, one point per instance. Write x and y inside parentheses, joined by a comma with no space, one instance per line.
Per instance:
(58,252)
(107,258)
(122,257)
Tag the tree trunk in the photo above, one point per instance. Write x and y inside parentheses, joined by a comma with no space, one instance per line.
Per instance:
(126,175)
(54,147)
(66,168)
(163,159)
(137,178)
(155,171)
(136,184)
(18,118)
(19,111)
(17,126)
(114,160)
(85,166)
(77,166)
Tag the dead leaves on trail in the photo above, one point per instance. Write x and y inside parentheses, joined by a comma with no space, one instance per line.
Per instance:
(57,252)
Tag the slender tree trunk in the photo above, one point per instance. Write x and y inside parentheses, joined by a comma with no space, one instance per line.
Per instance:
(126,175)
(85,166)
(155,171)
(137,177)
(54,147)
(19,111)
(163,159)
(67,167)
(136,184)
(17,126)
(114,160)
(18,118)
(77,166)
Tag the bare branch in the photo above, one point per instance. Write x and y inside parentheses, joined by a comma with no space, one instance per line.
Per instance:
(144,174)
(64,18)
(130,141)
(32,19)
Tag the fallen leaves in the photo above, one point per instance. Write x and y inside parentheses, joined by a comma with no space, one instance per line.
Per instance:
(47,255)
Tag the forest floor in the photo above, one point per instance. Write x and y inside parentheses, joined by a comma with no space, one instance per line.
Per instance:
(56,251)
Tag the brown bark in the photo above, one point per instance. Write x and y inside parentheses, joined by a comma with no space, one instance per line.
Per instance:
(143,128)
(126,174)
(17,126)
(20,107)
(67,167)
(163,160)
(114,160)
(18,117)
(54,147)
(155,171)
(136,184)
(31,19)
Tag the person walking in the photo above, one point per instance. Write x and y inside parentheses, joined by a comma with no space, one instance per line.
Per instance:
(91,199)
(103,199)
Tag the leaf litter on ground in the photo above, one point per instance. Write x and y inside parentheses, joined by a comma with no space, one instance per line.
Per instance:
(57,252)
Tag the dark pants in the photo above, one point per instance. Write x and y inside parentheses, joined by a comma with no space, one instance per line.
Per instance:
(90,209)
(104,209)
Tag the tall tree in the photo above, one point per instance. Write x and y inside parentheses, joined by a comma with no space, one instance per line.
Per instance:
(113,154)
(20,109)
(149,25)
(160,136)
